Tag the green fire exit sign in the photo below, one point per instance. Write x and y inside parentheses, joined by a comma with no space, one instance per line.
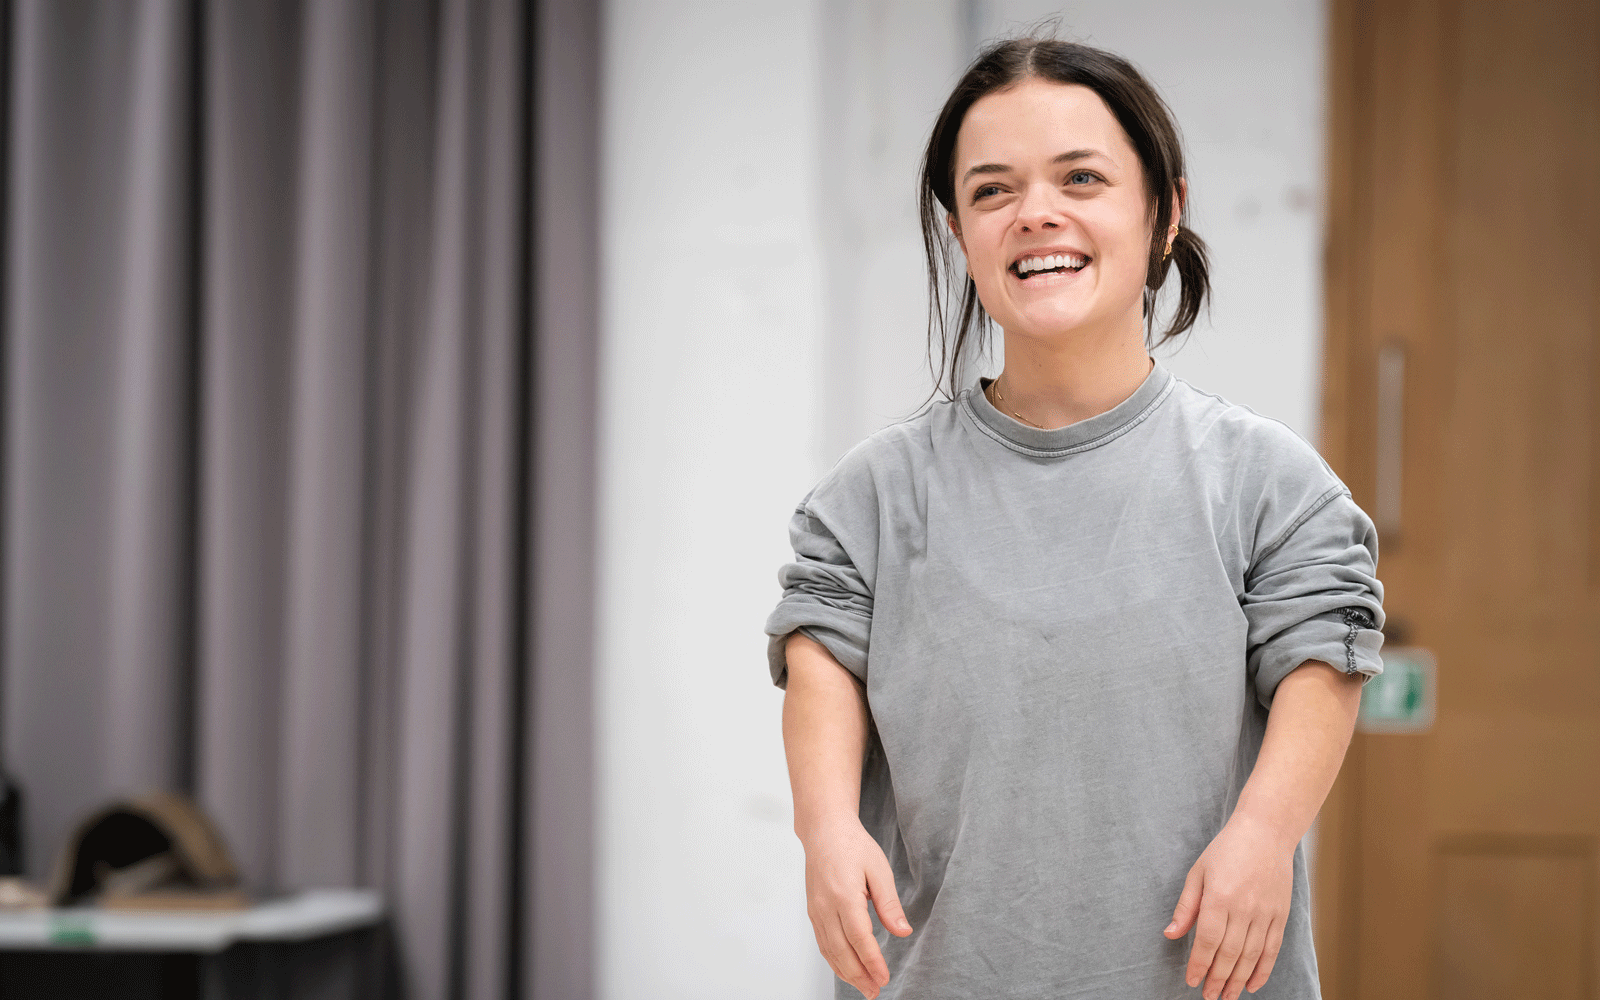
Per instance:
(1402,699)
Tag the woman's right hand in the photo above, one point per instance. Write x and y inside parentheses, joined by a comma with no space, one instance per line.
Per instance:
(845,871)
(825,723)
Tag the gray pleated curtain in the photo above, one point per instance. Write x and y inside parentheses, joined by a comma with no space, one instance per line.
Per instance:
(267,430)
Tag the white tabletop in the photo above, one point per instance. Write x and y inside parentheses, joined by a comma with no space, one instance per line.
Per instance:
(311,914)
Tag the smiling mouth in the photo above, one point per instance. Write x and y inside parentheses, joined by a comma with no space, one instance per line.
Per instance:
(1033,267)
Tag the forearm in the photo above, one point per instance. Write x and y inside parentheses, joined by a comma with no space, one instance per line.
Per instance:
(824,736)
(1308,730)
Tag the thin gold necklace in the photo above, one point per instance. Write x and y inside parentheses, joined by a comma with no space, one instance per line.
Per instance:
(994,387)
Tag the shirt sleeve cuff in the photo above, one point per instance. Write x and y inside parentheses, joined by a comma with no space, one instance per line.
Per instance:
(1346,639)
(841,633)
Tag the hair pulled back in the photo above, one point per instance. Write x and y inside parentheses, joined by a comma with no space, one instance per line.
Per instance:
(1143,115)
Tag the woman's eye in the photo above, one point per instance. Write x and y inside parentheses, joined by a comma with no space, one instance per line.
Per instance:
(985,191)
(1081,177)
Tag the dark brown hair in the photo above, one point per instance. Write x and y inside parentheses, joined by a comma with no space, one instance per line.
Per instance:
(1143,115)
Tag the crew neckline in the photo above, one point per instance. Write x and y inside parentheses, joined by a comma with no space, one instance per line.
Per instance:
(1100,429)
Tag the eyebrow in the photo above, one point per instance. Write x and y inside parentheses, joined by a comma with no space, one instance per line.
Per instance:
(1000,168)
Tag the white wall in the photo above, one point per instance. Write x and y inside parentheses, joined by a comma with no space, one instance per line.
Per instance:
(763,309)
(889,68)
(709,374)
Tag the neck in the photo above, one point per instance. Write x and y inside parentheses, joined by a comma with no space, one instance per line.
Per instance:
(1061,380)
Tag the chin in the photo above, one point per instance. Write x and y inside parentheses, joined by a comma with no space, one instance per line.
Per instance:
(1049,322)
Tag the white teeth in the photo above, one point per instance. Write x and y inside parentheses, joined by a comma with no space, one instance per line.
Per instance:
(1030,264)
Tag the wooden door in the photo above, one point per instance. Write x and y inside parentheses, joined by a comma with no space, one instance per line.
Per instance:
(1464,222)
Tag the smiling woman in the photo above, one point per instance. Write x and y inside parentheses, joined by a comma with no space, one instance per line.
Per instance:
(1071,656)
(1127,178)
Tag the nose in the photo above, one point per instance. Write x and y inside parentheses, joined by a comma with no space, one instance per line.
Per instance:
(1039,209)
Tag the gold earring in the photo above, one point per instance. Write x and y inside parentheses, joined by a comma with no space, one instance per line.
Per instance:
(1172,233)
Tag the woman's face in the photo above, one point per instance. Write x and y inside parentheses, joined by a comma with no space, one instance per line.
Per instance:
(1051,211)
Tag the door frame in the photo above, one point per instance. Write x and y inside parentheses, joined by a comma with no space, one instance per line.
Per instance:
(1336,878)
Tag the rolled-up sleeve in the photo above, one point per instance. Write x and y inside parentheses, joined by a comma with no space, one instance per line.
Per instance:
(824,597)
(1313,594)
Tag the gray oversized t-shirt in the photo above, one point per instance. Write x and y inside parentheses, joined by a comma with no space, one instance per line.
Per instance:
(1070,640)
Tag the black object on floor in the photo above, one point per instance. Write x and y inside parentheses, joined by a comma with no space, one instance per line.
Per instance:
(98,976)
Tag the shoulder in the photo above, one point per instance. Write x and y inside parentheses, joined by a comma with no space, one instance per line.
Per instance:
(889,461)
(1247,445)
(879,482)
(1263,478)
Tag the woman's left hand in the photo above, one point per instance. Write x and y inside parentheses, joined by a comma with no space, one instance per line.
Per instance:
(1237,899)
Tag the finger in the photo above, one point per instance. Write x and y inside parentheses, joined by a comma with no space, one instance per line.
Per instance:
(1183,915)
(1227,957)
(842,958)
(1269,957)
(1245,967)
(880,884)
(858,932)
(847,963)
(1208,935)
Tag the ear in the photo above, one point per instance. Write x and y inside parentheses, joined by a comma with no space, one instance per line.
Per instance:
(1180,198)
(955,227)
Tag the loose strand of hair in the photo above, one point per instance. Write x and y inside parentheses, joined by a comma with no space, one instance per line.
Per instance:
(1193,264)
(972,318)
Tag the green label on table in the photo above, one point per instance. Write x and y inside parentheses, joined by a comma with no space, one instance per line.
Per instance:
(72,930)
(1401,699)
